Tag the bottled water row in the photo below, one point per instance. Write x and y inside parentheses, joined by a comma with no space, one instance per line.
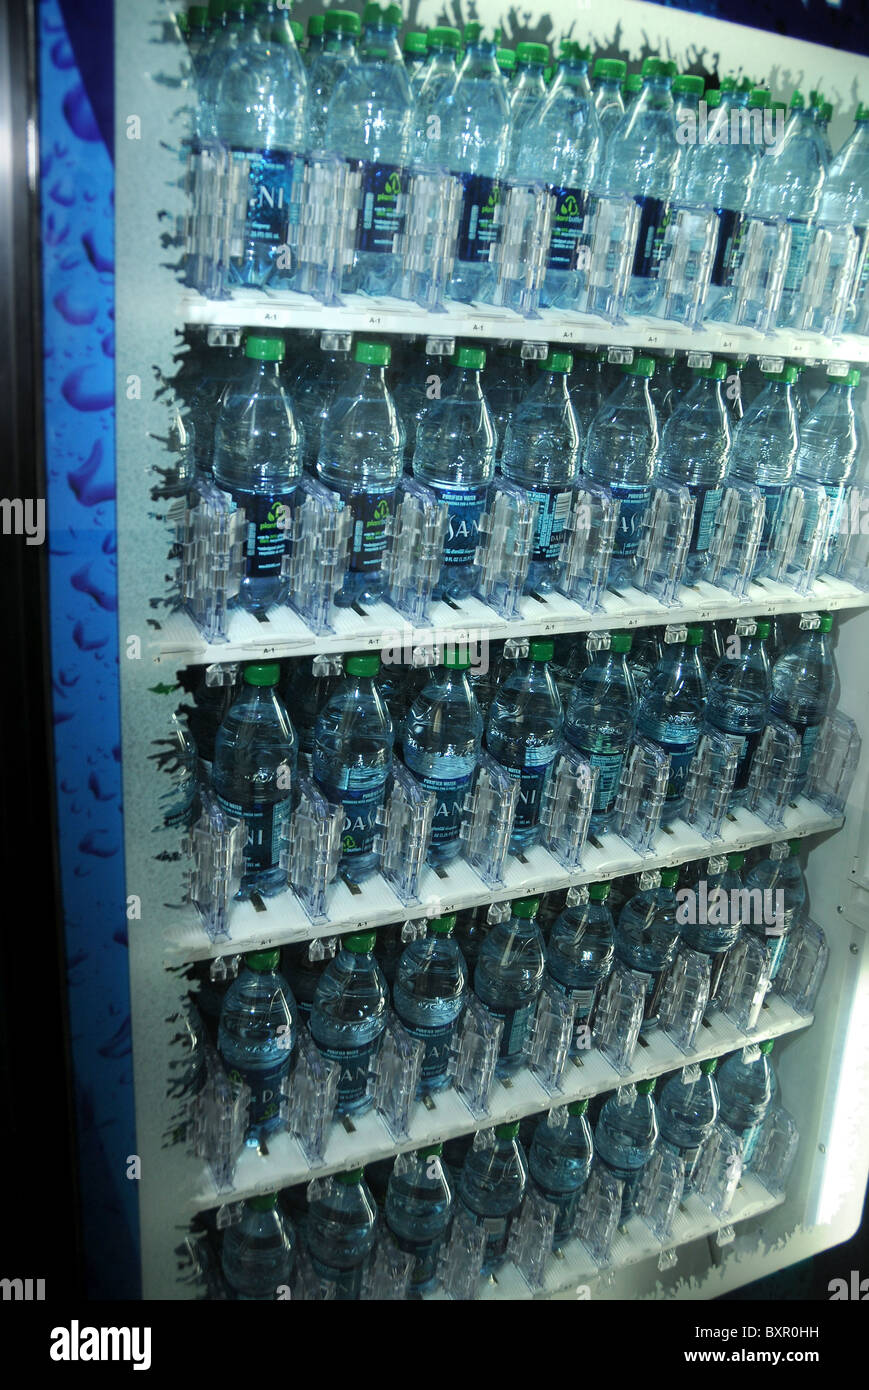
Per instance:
(546,1174)
(441,178)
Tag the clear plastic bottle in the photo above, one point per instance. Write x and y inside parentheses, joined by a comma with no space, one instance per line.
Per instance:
(671,709)
(508,979)
(361,456)
(259,450)
(419,1209)
(217,368)
(620,452)
(712,922)
(523,730)
(830,447)
(687,1110)
(429,995)
(694,451)
(663,388)
(341,29)
(737,701)
(580,954)
(254,775)
(559,1161)
(541,453)
(415,53)
(845,202)
(647,936)
(342,1218)
(348,1018)
(256,1037)
(778,899)
(455,457)
(508,381)
(528,91)
(645,652)
(601,718)
(608,76)
(315,37)
(802,685)
(258,1251)
(746,1089)
(443,735)
(302,971)
(491,1187)
(226,31)
(306,686)
(765,446)
(436,80)
(625,1137)
(589,386)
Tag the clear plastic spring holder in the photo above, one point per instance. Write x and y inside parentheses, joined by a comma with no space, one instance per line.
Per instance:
(216,847)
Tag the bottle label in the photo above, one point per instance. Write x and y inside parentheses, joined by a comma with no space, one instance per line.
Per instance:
(345,1284)
(361,805)
(370,512)
(681,752)
(609,776)
(267,827)
(655,214)
(425,1257)
(517,1028)
(438,1039)
(381,218)
(354,1064)
(265,1089)
(570,225)
(553,510)
(581,997)
(270,208)
(267,534)
(798,259)
(810,738)
(634,499)
(532,779)
(450,793)
(466,506)
(707,500)
(478,229)
(772,496)
(731,225)
(746,747)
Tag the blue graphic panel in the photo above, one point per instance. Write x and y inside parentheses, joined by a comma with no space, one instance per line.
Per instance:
(836,23)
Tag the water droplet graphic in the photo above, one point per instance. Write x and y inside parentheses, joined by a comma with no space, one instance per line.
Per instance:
(79,116)
(101,256)
(76,305)
(89,388)
(62,55)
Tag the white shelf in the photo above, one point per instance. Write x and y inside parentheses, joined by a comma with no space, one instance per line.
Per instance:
(284,634)
(367,1139)
(364,314)
(282,919)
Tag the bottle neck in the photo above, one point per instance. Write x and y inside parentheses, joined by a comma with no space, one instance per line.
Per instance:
(381,41)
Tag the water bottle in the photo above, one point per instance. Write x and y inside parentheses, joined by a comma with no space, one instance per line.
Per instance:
(589,386)
(226,31)
(475,113)
(443,735)
(646,651)
(601,718)
(746,1087)
(737,702)
(417,386)
(765,446)
(341,29)
(710,920)
(256,1037)
(580,954)
(541,453)
(647,935)
(560,145)
(620,452)
(508,979)
(507,383)
(316,37)
(259,448)
(455,457)
(341,1232)
(671,709)
(527,93)
(429,994)
(802,684)
(258,1251)
(633,85)
(643,162)
(608,76)
(261,113)
(687,91)
(419,1209)
(472,928)
(415,53)
(302,964)
(353,759)
(695,444)
(830,446)
(625,1137)
(491,1187)
(432,89)
(254,775)
(369,123)
(216,370)
(777,901)
(663,388)
(523,732)
(559,1161)
(307,684)
(845,202)
(348,1017)
(361,455)
(687,1110)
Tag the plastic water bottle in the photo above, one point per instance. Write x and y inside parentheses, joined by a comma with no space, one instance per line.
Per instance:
(778,899)
(455,457)
(348,1017)
(527,93)
(559,1161)
(204,717)
(507,383)
(261,116)
(256,1037)
(306,686)
(561,145)
(541,453)
(258,1251)
(645,653)
(369,122)
(342,1218)
(472,928)
(302,964)
(643,162)
(443,734)
(254,775)
(419,1208)
(687,1110)
(671,709)
(353,759)
(341,29)
(522,733)
(361,455)
(415,53)
(491,1187)
(746,1088)
(620,452)
(589,386)
(695,445)
(215,371)
(765,446)
(830,446)
(508,979)
(259,449)
(601,718)
(710,921)
(647,935)
(845,202)
(663,388)
(633,85)
(429,994)
(737,702)
(608,76)
(580,954)
(625,1137)
(316,37)
(476,115)
(226,31)
(802,685)
(432,89)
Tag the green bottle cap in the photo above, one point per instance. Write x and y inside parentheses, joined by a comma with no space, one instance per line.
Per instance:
(651,67)
(362,664)
(471,32)
(262,673)
(297,32)
(342,22)
(794,846)
(695,637)
(669,878)
(728,84)
(598,892)
(826,622)
(372,354)
(735,861)
(316,25)
(532,53)
(264,1201)
(712,97)
(744,85)
(610,69)
(569,51)
(525,907)
(264,349)
(759,97)
(716,372)
(442,36)
(688,84)
(708,1066)
(557,362)
(621,642)
(816,98)
(474,359)
(633,82)
(506,59)
(414,42)
(541,649)
(766,1047)
(442,926)
(827,112)
(577,1107)
(381,15)
(641,366)
(798,101)
(262,961)
(762,629)
(457,657)
(668,68)
(853,377)
(862,112)
(359,942)
(352,1176)
(788,374)
(431,1151)
(645,1088)
(507,1131)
